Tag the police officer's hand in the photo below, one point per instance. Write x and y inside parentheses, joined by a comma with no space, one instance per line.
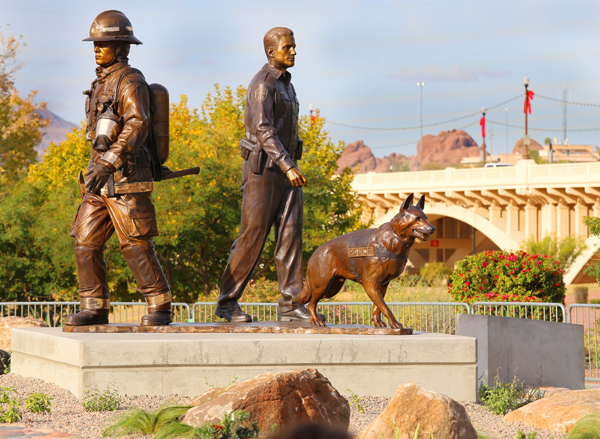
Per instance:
(296,177)
(97,177)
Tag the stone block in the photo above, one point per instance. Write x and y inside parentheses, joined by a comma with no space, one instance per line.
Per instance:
(538,353)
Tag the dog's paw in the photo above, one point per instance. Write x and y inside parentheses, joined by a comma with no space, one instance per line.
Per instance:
(396,325)
(318,322)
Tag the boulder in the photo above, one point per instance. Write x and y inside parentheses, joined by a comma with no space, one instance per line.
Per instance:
(4,361)
(558,412)
(275,398)
(433,413)
(7,323)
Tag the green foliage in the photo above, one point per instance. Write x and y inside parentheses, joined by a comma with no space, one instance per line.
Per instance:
(356,402)
(434,272)
(235,425)
(144,422)
(595,301)
(501,398)
(587,427)
(593,269)
(20,123)
(38,403)
(521,435)
(95,400)
(507,277)
(10,406)
(565,250)
(198,216)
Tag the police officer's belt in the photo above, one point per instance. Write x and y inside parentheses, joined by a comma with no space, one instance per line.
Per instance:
(130,188)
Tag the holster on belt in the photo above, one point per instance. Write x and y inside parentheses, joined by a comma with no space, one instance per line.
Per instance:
(255,155)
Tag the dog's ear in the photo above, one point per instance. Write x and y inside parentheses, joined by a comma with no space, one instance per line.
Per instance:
(407,203)
(421,202)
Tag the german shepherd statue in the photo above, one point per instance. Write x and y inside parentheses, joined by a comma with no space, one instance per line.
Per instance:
(371,257)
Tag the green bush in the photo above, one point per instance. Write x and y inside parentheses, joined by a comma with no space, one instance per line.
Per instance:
(587,427)
(507,277)
(500,398)
(95,400)
(595,301)
(10,406)
(145,423)
(235,425)
(434,272)
(38,403)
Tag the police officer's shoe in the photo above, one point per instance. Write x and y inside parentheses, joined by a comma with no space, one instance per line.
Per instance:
(157,318)
(87,317)
(233,313)
(295,313)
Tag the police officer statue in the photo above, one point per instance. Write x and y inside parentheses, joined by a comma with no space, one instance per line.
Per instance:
(117,194)
(271,184)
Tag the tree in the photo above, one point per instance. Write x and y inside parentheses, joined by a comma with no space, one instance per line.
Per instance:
(593,268)
(198,216)
(20,124)
(565,250)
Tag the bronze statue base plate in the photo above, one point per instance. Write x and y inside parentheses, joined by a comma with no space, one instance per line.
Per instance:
(243,328)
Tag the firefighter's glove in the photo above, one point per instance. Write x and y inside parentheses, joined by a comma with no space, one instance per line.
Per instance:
(97,177)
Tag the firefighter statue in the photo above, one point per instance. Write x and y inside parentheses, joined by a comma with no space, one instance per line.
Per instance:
(118,184)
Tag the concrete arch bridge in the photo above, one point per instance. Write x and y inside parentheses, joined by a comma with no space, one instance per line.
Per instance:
(492,208)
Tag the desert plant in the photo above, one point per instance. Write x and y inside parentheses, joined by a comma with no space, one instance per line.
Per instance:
(235,425)
(565,250)
(355,402)
(144,422)
(501,398)
(587,427)
(10,405)
(581,294)
(507,277)
(95,400)
(521,435)
(38,403)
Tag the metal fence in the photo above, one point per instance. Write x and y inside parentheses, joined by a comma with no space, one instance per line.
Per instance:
(54,313)
(588,316)
(421,316)
(554,312)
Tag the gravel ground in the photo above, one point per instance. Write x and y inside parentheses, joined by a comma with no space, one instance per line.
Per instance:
(69,416)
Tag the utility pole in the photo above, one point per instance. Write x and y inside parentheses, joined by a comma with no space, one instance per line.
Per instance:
(420,152)
(506,133)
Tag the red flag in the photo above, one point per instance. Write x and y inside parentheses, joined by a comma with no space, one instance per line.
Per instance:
(528,99)
(482,123)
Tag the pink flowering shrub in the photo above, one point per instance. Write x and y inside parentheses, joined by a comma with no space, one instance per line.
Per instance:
(498,276)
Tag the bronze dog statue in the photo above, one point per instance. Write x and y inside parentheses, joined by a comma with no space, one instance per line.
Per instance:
(371,257)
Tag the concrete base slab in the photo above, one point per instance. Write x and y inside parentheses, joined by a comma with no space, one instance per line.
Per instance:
(188,363)
(247,328)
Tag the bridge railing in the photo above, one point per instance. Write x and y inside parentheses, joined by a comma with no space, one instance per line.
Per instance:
(523,174)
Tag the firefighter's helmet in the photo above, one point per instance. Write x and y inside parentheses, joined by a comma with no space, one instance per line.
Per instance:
(112,26)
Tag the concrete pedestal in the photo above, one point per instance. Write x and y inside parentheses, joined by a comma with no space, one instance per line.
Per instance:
(538,353)
(186,364)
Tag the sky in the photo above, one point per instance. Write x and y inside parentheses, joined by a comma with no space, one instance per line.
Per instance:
(358,62)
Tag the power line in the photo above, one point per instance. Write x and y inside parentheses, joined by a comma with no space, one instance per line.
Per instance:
(446,122)
(581,130)
(564,101)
